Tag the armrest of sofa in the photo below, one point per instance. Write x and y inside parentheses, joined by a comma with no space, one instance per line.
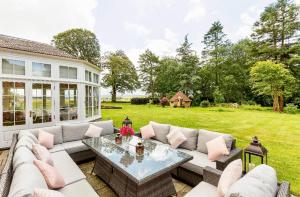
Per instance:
(284,189)
(211,175)
(224,160)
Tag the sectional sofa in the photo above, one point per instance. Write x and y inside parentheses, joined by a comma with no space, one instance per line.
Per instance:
(20,176)
(192,171)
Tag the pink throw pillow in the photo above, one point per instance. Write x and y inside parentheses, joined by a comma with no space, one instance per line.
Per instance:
(93,131)
(175,138)
(147,132)
(51,175)
(46,139)
(230,175)
(42,154)
(216,148)
(46,193)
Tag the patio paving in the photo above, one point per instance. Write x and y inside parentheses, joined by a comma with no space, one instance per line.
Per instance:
(103,190)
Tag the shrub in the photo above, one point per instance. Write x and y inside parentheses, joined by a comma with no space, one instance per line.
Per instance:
(154,101)
(205,103)
(218,96)
(139,101)
(291,108)
(164,101)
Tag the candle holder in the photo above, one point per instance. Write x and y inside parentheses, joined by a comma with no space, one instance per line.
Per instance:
(118,138)
(139,148)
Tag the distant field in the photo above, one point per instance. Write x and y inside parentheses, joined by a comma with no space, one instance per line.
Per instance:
(279,133)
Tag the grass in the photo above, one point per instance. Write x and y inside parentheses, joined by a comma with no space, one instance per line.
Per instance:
(279,133)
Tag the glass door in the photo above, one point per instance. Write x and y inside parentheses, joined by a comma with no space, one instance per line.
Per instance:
(42,104)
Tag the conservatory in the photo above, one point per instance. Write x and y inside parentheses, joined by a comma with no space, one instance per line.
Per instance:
(43,86)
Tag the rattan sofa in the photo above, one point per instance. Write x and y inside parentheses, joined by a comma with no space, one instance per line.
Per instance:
(20,173)
(211,176)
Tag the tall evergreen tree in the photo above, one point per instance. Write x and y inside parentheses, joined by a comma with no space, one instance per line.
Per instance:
(148,62)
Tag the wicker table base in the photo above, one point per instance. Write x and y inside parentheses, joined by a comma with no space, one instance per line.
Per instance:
(161,186)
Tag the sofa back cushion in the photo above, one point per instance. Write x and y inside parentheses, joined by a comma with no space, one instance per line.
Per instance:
(54,130)
(191,136)
(259,182)
(106,125)
(74,132)
(22,155)
(205,136)
(161,131)
(28,134)
(25,141)
(26,178)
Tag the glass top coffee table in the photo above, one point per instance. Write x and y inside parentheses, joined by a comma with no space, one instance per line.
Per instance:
(130,174)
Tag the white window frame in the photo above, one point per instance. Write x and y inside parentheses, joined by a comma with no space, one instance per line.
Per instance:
(68,72)
(14,73)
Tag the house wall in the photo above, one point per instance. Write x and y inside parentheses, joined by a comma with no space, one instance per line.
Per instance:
(7,131)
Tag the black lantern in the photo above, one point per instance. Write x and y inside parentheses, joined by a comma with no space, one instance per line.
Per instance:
(127,122)
(257,149)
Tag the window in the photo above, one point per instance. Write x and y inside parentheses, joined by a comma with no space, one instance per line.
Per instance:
(41,103)
(96,78)
(13,103)
(67,72)
(41,70)
(14,67)
(88,76)
(91,101)
(68,101)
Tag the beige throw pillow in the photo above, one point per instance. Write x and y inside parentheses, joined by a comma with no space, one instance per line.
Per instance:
(41,153)
(176,137)
(147,132)
(230,175)
(216,148)
(46,139)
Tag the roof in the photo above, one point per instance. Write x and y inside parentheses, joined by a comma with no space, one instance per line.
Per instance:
(20,44)
(181,95)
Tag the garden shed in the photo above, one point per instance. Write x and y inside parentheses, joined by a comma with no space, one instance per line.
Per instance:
(180,100)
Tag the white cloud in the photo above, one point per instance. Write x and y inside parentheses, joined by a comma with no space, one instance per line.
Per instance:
(297,2)
(136,28)
(196,11)
(40,20)
(248,18)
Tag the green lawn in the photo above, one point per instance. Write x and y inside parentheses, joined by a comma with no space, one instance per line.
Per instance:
(279,133)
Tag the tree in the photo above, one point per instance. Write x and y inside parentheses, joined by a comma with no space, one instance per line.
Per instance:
(269,78)
(120,74)
(215,49)
(188,66)
(148,62)
(80,43)
(276,29)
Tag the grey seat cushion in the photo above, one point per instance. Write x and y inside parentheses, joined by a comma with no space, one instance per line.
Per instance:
(22,155)
(78,189)
(205,136)
(191,136)
(56,148)
(67,167)
(259,182)
(106,125)
(203,189)
(155,141)
(74,147)
(198,163)
(74,132)
(54,130)
(26,178)
(161,131)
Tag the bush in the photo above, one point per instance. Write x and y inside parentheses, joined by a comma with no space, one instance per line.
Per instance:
(154,101)
(164,101)
(291,108)
(218,96)
(139,101)
(205,103)
(248,102)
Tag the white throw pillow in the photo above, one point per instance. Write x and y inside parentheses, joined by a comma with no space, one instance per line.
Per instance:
(176,137)
(216,148)
(230,175)
(42,153)
(93,131)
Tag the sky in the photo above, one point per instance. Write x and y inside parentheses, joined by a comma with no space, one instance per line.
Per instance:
(131,25)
